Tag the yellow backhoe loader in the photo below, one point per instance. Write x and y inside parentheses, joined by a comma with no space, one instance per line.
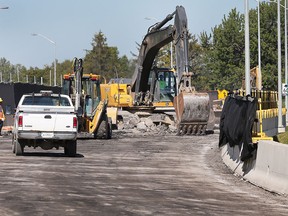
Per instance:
(91,109)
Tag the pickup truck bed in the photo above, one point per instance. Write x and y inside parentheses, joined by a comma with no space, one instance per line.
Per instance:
(45,120)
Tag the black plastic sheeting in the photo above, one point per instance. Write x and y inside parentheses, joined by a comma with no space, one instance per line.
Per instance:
(236,123)
(11,93)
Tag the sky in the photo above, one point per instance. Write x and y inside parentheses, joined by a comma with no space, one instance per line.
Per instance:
(71,24)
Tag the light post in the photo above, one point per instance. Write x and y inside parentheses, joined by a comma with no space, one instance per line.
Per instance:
(17,70)
(280,122)
(247,49)
(3,8)
(286,55)
(259,39)
(51,41)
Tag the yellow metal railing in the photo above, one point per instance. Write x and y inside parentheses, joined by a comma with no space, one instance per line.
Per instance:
(269,113)
(269,99)
(259,134)
(267,107)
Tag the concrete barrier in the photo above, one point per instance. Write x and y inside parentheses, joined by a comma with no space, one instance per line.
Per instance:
(268,168)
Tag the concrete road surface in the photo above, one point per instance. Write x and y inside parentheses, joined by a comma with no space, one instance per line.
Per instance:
(129,175)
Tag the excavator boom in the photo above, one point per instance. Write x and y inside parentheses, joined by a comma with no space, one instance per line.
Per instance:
(151,44)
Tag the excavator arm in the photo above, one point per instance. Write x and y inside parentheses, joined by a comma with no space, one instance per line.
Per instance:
(151,44)
(192,108)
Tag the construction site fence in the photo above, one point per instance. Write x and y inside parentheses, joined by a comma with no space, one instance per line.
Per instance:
(269,99)
(267,110)
(269,113)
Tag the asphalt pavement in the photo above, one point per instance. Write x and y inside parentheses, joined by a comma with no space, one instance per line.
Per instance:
(129,175)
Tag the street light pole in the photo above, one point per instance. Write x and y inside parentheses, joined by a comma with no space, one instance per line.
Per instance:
(259,38)
(54,43)
(247,49)
(55,75)
(286,55)
(1,75)
(280,123)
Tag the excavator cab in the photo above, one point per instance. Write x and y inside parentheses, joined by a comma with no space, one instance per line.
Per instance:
(165,87)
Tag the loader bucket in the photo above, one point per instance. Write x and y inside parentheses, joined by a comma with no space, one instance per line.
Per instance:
(192,113)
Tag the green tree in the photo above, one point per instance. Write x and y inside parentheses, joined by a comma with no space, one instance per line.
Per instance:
(105,60)
(269,57)
(65,67)
(226,58)
(198,49)
(225,61)
(163,57)
(7,70)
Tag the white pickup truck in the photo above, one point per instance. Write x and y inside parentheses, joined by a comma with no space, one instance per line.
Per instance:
(45,120)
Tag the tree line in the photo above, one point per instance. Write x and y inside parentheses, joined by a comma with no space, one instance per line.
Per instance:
(216,59)
(219,57)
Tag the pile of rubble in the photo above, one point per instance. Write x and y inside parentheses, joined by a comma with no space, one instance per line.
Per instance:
(147,123)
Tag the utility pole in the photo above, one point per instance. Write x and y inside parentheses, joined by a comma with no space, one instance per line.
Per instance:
(281,129)
(247,49)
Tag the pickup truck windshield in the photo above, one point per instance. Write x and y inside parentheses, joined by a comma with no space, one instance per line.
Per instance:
(46,101)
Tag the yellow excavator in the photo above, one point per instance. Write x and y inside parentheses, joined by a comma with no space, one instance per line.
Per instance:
(192,108)
(91,109)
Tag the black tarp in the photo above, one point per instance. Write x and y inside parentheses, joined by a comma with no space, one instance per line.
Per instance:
(236,123)
(11,93)
(24,88)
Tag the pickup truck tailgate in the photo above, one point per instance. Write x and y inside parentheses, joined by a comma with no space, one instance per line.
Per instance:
(48,122)
(47,118)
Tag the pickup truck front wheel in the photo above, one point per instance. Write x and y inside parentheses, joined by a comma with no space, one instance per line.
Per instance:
(71,148)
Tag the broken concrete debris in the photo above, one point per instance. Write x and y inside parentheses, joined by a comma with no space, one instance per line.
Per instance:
(152,123)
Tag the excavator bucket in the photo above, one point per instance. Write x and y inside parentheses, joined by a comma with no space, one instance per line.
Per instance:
(192,112)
